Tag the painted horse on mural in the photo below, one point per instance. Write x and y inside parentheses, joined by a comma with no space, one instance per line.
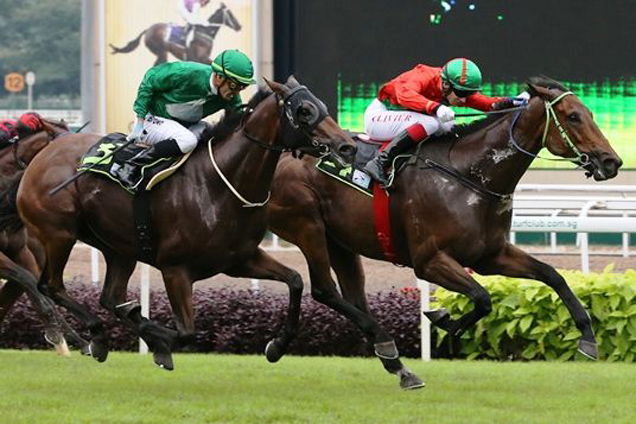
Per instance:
(207,218)
(164,38)
(450,208)
(22,256)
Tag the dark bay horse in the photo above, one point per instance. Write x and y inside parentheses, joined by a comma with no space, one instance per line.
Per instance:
(21,256)
(208,218)
(157,38)
(441,223)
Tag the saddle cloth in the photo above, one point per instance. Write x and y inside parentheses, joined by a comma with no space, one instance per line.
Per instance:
(100,158)
(177,34)
(354,175)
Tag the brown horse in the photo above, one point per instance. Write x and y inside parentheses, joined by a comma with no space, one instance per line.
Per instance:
(203,221)
(21,256)
(157,38)
(450,209)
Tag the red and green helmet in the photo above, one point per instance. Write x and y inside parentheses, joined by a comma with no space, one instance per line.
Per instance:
(462,74)
(235,65)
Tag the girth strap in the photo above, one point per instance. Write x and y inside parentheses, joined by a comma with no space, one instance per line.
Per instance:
(143,226)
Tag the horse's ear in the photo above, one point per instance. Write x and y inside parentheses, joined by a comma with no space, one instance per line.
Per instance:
(292,82)
(537,90)
(276,87)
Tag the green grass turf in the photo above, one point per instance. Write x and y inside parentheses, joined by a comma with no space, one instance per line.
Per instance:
(38,387)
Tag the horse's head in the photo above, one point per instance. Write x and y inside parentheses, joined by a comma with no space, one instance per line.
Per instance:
(306,124)
(570,131)
(224,16)
(34,134)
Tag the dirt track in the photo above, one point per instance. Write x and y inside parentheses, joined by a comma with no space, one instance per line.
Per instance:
(380,276)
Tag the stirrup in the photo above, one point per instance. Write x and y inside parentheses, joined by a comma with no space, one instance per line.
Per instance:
(372,169)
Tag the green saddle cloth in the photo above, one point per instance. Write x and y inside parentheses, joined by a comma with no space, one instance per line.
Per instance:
(100,159)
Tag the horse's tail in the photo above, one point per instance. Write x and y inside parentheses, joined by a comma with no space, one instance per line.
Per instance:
(9,218)
(128,47)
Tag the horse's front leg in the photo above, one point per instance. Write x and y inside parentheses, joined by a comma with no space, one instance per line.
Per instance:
(514,262)
(263,266)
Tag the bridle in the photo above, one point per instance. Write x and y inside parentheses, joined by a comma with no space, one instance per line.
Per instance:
(287,105)
(287,119)
(581,159)
(14,147)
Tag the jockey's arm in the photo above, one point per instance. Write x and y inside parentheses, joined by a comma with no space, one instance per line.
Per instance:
(408,96)
(482,102)
(156,79)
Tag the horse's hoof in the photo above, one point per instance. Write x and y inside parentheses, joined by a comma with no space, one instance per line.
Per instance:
(273,352)
(56,338)
(589,349)
(86,349)
(162,355)
(409,381)
(98,351)
(163,361)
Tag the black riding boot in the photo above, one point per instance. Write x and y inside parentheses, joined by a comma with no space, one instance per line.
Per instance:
(164,149)
(377,167)
(129,171)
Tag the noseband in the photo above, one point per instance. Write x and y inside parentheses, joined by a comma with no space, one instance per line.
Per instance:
(287,105)
(287,119)
(581,159)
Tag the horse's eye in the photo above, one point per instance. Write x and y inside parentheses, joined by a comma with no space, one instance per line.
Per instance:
(574,117)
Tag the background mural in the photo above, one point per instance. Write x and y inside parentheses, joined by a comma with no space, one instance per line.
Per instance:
(143,33)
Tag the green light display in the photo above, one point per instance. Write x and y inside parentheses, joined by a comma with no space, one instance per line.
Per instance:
(613,104)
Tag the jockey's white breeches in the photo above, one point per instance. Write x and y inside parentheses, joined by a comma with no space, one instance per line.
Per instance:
(159,129)
(382,124)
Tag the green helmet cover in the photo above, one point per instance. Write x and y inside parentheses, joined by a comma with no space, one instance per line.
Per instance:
(235,65)
(462,74)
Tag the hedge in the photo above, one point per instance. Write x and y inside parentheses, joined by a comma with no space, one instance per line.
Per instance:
(530,322)
(243,322)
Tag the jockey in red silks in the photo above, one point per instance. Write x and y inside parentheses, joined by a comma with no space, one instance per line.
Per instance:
(7,130)
(414,105)
(27,124)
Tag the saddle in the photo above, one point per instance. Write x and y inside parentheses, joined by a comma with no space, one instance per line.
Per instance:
(114,151)
(177,34)
(354,175)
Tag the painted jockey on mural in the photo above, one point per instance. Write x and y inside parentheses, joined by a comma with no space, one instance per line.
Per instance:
(190,12)
(174,97)
(415,105)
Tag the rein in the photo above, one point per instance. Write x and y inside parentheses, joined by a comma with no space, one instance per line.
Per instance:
(14,146)
(550,115)
(582,158)
(285,115)
(246,203)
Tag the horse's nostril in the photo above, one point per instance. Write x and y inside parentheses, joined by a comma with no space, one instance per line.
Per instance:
(611,165)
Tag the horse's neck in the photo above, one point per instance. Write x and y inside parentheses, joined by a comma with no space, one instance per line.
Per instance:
(248,166)
(496,163)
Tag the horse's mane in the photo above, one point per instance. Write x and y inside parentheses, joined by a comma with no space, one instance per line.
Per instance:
(233,118)
(474,126)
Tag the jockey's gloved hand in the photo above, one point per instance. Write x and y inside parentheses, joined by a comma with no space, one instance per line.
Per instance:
(445,114)
(136,133)
(520,99)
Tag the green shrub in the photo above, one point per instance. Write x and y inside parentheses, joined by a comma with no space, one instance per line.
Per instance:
(529,321)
